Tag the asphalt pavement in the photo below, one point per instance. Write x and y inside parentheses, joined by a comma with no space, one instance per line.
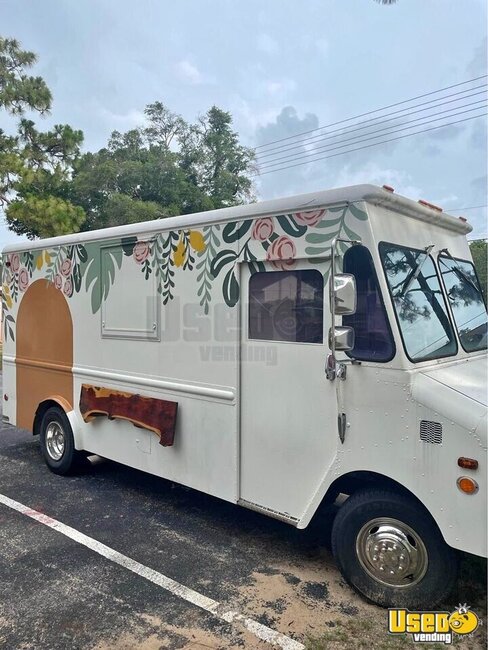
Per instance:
(55,593)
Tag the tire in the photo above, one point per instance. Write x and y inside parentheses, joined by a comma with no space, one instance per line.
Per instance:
(57,443)
(418,573)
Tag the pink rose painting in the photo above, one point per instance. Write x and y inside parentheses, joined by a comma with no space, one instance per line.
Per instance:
(309,218)
(66,267)
(58,281)
(23,279)
(263,229)
(281,253)
(14,262)
(141,252)
(68,288)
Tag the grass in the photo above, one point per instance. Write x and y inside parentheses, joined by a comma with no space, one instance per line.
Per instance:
(368,634)
(371,632)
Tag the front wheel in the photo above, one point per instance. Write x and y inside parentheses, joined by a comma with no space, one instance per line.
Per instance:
(57,443)
(390,550)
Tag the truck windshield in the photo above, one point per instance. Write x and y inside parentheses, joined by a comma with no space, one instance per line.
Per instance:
(466,300)
(419,303)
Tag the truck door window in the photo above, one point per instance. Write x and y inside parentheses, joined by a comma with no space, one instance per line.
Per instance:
(287,306)
(466,300)
(419,304)
(373,338)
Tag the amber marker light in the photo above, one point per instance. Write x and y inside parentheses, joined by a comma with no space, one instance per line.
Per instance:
(430,205)
(467,485)
(467,463)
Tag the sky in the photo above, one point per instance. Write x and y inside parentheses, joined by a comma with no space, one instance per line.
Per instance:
(280,68)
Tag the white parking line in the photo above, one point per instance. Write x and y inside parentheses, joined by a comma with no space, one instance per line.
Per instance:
(185,593)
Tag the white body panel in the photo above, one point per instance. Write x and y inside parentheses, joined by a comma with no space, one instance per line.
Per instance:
(262,430)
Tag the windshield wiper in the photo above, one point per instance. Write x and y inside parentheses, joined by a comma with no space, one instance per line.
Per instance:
(414,274)
(459,271)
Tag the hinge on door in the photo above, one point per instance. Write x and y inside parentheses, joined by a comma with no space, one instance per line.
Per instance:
(341,425)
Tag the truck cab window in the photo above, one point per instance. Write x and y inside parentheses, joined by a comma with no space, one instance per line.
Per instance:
(287,306)
(373,338)
(418,301)
(466,300)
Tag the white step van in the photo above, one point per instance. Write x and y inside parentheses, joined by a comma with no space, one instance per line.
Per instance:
(275,355)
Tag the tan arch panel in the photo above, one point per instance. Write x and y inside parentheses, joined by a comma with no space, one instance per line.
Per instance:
(44,351)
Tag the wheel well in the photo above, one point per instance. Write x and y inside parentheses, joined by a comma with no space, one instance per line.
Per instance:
(354,481)
(41,410)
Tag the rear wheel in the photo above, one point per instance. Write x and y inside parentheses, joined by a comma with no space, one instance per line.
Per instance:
(57,443)
(390,550)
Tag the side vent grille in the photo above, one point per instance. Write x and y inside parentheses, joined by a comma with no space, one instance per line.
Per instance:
(431,432)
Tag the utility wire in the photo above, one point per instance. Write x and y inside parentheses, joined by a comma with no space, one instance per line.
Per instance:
(471,207)
(356,140)
(375,144)
(374,122)
(378,110)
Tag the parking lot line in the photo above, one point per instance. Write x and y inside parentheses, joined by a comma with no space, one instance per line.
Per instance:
(215,608)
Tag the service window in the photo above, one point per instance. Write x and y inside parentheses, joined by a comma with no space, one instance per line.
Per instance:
(287,306)
(131,307)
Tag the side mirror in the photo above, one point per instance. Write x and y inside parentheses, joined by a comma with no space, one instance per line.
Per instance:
(344,294)
(341,338)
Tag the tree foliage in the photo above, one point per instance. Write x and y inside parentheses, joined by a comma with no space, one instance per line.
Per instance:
(35,166)
(479,251)
(164,167)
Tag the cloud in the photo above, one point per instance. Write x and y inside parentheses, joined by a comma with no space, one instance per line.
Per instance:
(478,135)
(189,72)
(267,44)
(478,64)
(378,175)
(122,121)
(322,46)
(286,123)
(282,87)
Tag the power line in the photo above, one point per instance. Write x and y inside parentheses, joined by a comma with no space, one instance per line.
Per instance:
(355,140)
(288,157)
(374,122)
(471,207)
(378,110)
(368,146)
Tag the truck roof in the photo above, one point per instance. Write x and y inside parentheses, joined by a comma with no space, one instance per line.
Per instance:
(300,203)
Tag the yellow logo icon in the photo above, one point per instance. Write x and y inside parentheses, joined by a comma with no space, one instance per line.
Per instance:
(463,621)
(430,626)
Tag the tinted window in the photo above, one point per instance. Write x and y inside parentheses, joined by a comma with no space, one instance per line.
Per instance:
(466,300)
(419,304)
(373,338)
(286,306)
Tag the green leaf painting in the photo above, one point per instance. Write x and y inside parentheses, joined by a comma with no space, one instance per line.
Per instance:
(212,253)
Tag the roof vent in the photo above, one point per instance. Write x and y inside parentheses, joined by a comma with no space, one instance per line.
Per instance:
(431,432)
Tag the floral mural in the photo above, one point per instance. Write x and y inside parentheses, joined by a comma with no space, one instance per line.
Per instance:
(213,253)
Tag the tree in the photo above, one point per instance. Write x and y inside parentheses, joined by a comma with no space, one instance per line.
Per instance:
(35,167)
(164,168)
(479,252)
(213,157)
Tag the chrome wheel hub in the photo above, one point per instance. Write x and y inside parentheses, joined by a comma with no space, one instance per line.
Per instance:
(391,552)
(55,440)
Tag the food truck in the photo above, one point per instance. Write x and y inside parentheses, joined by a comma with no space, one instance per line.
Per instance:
(277,355)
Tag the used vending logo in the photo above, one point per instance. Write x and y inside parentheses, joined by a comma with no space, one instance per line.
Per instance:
(428,627)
